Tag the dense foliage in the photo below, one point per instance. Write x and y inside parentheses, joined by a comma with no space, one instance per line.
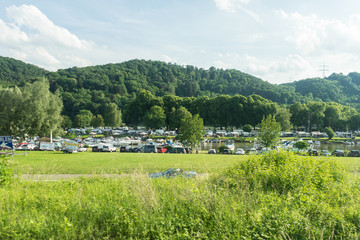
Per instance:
(33,110)
(335,88)
(125,92)
(6,173)
(277,196)
(17,73)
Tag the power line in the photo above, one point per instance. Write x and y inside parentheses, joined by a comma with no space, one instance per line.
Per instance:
(324,68)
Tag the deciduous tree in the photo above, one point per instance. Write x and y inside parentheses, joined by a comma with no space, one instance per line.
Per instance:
(191,131)
(270,130)
(155,118)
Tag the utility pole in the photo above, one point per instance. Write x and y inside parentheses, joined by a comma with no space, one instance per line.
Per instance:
(309,115)
(324,68)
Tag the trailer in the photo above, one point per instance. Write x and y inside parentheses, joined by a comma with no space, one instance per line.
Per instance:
(70,146)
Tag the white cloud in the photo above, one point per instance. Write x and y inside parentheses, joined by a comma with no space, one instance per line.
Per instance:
(29,35)
(167,58)
(234,6)
(11,34)
(230,5)
(314,35)
(292,67)
(28,16)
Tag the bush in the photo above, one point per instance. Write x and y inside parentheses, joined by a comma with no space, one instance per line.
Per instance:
(301,145)
(221,148)
(283,172)
(5,172)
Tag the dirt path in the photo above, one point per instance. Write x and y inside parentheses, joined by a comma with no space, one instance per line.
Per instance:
(55,177)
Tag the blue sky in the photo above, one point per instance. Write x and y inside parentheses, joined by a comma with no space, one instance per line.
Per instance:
(276,40)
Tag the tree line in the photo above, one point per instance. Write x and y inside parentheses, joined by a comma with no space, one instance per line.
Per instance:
(237,111)
(35,110)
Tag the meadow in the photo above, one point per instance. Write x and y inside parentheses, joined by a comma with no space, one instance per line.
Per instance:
(274,196)
(39,162)
(116,163)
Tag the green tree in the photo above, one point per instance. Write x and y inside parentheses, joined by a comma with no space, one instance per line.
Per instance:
(354,122)
(176,116)
(247,128)
(97,121)
(270,130)
(12,112)
(329,132)
(315,114)
(332,115)
(299,114)
(301,145)
(33,110)
(83,119)
(66,122)
(283,116)
(191,131)
(112,115)
(155,118)
(134,112)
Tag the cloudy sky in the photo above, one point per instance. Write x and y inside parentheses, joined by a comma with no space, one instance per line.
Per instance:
(276,40)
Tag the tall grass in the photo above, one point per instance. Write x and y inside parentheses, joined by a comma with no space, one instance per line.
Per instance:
(277,196)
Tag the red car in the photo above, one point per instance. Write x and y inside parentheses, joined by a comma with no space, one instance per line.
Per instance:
(161,149)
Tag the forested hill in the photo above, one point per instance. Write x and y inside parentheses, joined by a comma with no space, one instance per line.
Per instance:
(335,88)
(163,79)
(124,80)
(15,72)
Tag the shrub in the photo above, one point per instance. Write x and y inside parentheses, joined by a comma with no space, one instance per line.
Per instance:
(221,148)
(283,172)
(301,145)
(5,172)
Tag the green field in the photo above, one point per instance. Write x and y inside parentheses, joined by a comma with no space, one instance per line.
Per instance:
(116,163)
(273,196)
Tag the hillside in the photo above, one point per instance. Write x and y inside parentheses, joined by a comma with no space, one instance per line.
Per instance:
(91,86)
(162,79)
(335,88)
(15,72)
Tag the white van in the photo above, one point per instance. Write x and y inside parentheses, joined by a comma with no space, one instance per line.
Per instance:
(150,148)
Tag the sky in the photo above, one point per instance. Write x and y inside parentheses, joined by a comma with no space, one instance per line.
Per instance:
(278,41)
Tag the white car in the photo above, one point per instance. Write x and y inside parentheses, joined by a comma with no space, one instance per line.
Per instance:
(240,151)
(108,148)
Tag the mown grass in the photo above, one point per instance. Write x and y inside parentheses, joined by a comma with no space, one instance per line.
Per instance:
(275,196)
(117,163)
(90,162)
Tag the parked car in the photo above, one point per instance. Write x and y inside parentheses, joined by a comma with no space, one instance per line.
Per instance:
(125,149)
(171,172)
(161,149)
(136,149)
(240,151)
(150,148)
(325,153)
(95,149)
(176,150)
(226,151)
(104,148)
(338,153)
(212,151)
(252,151)
(354,153)
(313,152)
(82,149)
(25,147)
(108,148)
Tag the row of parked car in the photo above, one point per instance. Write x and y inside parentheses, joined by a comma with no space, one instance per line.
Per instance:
(149,148)
(336,153)
(238,151)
